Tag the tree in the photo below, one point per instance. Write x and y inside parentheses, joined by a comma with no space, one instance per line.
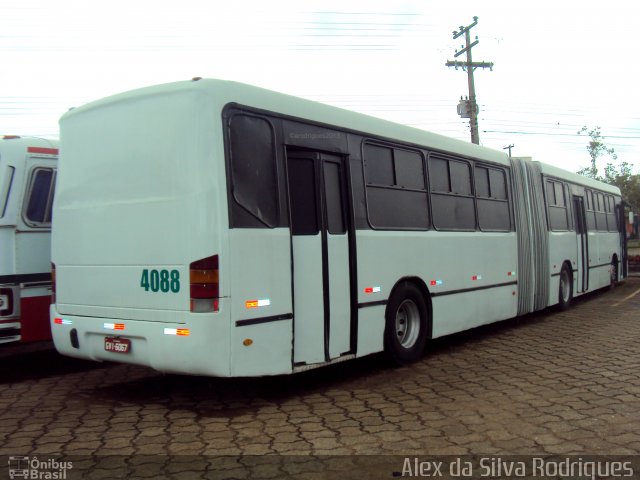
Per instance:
(620,175)
(596,149)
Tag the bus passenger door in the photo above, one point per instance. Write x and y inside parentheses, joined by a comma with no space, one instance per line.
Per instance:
(580,221)
(320,249)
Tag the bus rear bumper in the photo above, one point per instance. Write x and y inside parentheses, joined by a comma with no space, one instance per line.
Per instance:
(171,348)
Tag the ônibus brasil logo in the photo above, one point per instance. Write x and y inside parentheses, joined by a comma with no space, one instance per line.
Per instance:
(32,467)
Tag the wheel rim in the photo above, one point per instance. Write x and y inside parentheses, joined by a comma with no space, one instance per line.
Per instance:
(564,286)
(407,323)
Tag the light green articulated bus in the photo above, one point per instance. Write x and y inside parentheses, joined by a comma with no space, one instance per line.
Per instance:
(214,228)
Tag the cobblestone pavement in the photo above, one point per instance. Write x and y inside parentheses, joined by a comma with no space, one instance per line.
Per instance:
(551,383)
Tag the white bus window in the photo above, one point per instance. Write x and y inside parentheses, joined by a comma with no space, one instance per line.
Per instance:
(253,167)
(6,190)
(557,206)
(39,197)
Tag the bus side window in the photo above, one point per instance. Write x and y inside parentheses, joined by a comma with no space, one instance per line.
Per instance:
(451,195)
(491,198)
(557,206)
(39,197)
(254,180)
(6,190)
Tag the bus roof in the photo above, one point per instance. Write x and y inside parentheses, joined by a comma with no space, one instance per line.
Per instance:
(224,92)
(11,145)
(577,179)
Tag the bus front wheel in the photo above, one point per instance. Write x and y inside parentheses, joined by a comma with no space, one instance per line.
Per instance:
(406,325)
(565,291)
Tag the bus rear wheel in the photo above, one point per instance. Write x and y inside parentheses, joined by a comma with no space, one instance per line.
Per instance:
(406,325)
(565,291)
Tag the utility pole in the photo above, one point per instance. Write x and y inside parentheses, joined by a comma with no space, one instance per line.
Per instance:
(509,147)
(469,108)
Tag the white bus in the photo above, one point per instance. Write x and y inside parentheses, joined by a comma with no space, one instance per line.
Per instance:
(27,176)
(213,228)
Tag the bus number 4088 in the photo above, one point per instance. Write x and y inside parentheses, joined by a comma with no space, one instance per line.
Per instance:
(160,280)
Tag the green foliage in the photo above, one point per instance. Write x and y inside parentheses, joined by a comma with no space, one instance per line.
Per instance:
(596,149)
(620,175)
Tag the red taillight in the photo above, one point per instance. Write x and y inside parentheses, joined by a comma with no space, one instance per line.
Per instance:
(204,285)
(53,283)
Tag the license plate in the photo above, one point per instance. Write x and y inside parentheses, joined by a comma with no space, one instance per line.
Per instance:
(117,345)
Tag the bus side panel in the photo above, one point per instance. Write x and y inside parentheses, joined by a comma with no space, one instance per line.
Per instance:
(261,302)
(371,330)
(34,314)
(471,276)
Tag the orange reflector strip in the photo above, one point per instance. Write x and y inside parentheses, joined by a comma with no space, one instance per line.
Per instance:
(251,304)
(113,326)
(182,332)
(47,151)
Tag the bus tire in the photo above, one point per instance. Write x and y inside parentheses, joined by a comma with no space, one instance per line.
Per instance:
(405,333)
(565,289)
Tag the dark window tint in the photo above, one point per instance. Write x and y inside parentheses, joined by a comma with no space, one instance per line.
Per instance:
(556,206)
(397,209)
(333,195)
(5,192)
(460,178)
(482,182)
(40,196)
(612,220)
(302,192)
(253,167)
(559,194)
(492,205)
(452,204)
(451,212)
(551,193)
(498,184)
(601,216)
(396,192)
(493,215)
(409,169)
(379,165)
(439,175)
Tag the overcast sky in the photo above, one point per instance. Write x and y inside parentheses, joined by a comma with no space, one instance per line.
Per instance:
(559,65)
